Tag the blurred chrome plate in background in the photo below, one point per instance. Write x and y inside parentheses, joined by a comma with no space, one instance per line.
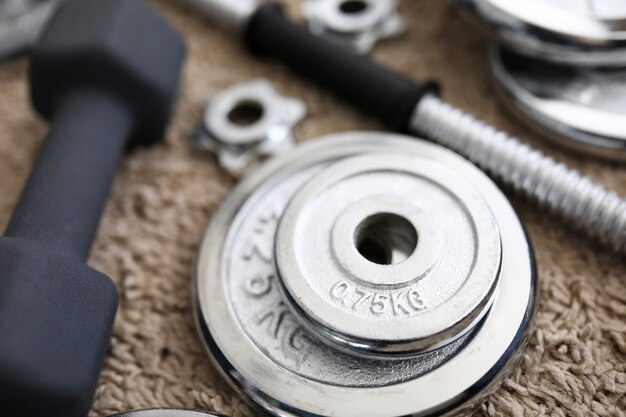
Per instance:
(581,108)
(581,32)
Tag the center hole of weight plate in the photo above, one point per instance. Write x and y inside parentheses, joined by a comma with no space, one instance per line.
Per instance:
(353,6)
(246,113)
(385,238)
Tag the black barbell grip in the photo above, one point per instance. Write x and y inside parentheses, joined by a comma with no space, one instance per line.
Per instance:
(65,194)
(368,86)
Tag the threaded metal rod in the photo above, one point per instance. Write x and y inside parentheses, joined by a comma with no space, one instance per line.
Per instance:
(565,192)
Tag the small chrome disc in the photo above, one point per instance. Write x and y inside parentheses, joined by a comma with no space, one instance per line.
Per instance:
(580,32)
(389,269)
(324,201)
(582,109)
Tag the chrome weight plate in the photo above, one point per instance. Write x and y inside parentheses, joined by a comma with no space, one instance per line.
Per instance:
(581,32)
(276,356)
(582,109)
(389,253)
(165,412)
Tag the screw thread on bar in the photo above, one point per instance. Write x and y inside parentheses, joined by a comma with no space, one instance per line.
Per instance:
(565,192)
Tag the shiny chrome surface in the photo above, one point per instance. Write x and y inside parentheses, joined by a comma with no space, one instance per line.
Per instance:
(263,127)
(165,412)
(355,24)
(232,14)
(583,32)
(583,109)
(598,212)
(426,299)
(275,362)
(591,208)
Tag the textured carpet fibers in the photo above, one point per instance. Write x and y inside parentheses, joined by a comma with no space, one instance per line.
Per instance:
(163,197)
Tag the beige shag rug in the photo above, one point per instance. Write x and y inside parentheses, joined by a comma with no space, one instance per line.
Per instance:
(163,197)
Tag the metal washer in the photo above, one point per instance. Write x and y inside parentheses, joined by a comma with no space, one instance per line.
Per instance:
(354,24)
(581,109)
(284,369)
(264,132)
(442,288)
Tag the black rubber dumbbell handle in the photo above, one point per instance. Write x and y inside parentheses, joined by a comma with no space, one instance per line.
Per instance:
(370,87)
(64,196)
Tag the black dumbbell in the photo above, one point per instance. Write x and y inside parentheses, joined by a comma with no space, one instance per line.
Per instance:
(106,74)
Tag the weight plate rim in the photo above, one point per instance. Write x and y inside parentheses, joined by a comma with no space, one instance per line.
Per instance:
(599,46)
(301,296)
(284,393)
(165,412)
(527,107)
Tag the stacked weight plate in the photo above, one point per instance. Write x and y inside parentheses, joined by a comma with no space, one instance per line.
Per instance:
(365,274)
(561,65)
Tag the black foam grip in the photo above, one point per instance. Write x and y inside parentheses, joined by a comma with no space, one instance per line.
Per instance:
(370,87)
(67,189)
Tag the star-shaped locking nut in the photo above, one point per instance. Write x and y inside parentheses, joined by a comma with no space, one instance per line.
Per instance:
(246,123)
(355,24)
